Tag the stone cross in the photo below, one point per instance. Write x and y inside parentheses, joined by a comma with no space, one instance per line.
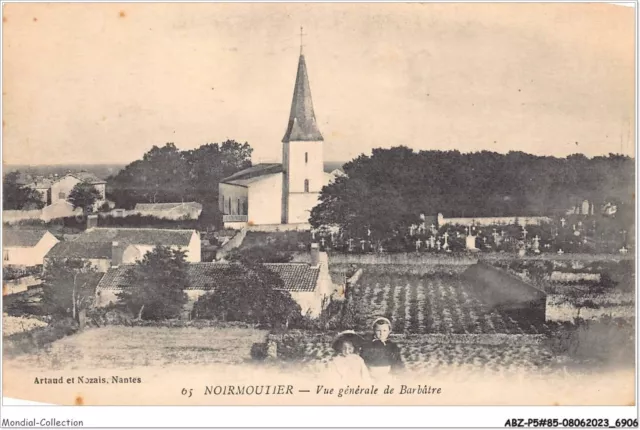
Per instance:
(446,237)
(380,249)
(563,221)
(362,242)
(438,244)
(412,230)
(418,243)
(432,242)
(322,242)
(560,252)
(536,244)
(623,250)
(433,229)
(350,244)
(524,232)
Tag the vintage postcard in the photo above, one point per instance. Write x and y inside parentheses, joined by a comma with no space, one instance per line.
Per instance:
(319,204)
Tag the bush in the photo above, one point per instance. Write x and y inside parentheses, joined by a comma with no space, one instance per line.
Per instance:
(250,294)
(259,351)
(260,254)
(34,340)
(110,315)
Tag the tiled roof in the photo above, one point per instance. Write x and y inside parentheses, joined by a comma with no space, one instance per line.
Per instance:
(255,171)
(137,236)
(297,277)
(86,250)
(302,120)
(166,206)
(40,184)
(87,177)
(13,237)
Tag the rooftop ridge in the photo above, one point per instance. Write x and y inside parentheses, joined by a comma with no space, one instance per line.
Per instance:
(141,228)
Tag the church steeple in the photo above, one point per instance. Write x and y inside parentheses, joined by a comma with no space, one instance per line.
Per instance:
(302,120)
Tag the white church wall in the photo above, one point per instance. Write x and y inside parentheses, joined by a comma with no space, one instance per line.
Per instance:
(300,205)
(305,162)
(265,200)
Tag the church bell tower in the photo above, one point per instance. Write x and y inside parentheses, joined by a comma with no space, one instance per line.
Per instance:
(302,153)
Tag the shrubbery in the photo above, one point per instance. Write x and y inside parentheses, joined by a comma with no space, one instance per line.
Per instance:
(34,340)
(250,294)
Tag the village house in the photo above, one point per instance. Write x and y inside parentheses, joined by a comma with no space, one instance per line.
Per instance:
(247,197)
(174,211)
(57,189)
(101,255)
(61,188)
(309,284)
(128,245)
(25,247)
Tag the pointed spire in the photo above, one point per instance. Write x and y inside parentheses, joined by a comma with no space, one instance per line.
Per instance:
(302,120)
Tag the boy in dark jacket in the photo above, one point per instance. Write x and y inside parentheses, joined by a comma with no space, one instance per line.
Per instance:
(381,355)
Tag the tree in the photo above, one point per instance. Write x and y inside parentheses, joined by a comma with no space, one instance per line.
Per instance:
(69,286)
(17,197)
(84,195)
(387,191)
(157,285)
(166,174)
(249,293)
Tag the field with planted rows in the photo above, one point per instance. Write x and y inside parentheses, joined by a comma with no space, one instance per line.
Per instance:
(438,301)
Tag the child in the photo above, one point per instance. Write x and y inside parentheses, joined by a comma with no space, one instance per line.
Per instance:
(347,365)
(382,356)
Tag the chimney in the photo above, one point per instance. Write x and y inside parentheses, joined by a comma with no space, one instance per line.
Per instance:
(117,253)
(92,221)
(315,255)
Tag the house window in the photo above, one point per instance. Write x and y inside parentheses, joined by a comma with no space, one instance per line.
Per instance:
(62,195)
(5,255)
(229,205)
(306,185)
(306,157)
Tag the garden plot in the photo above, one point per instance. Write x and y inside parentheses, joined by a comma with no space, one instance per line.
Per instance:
(432,302)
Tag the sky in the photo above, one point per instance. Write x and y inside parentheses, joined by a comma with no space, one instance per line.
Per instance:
(103,83)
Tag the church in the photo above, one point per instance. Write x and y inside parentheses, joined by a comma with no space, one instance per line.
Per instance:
(273,193)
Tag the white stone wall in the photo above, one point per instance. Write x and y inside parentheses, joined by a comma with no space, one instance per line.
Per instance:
(304,162)
(265,200)
(29,256)
(64,185)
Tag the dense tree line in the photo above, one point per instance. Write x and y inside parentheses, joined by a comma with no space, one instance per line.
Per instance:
(390,188)
(167,174)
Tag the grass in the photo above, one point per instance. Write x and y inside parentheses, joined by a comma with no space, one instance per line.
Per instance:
(279,241)
(128,347)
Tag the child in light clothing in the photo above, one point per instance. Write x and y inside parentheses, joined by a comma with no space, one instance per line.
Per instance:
(347,365)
